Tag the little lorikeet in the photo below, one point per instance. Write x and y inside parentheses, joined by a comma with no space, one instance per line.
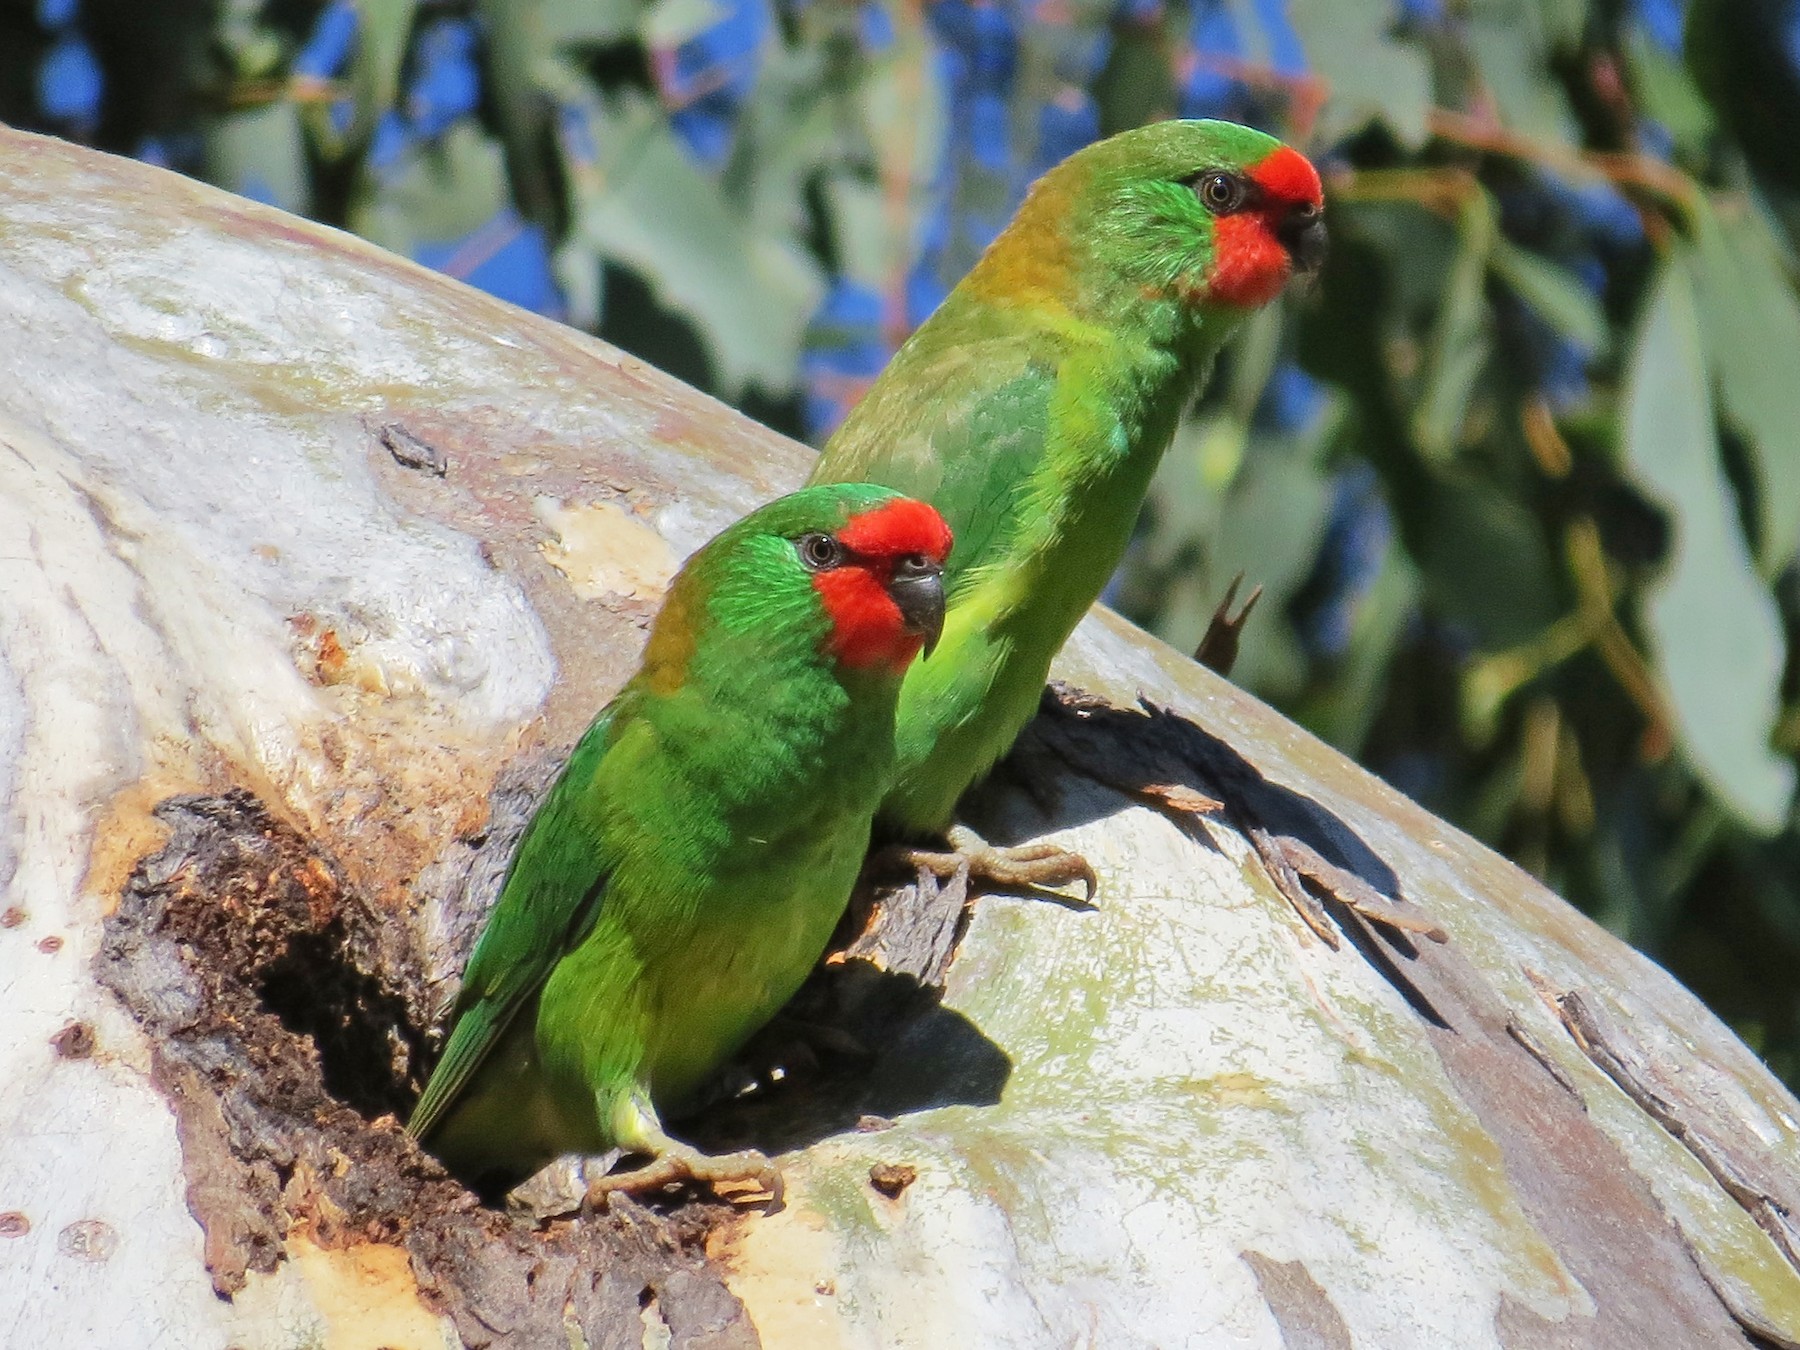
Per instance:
(686,869)
(1032,408)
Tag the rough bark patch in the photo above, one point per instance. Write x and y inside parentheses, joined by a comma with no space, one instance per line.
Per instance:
(1574,1185)
(1308,1319)
(284,1021)
(1745,1169)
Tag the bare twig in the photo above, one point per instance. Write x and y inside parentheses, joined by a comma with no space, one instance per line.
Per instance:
(1219,648)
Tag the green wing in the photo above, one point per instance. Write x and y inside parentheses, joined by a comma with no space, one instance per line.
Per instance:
(548,903)
(960,424)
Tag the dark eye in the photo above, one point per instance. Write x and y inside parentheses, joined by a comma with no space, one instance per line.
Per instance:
(1220,193)
(820,552)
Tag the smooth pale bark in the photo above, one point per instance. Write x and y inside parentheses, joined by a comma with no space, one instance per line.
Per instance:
(1180,1118)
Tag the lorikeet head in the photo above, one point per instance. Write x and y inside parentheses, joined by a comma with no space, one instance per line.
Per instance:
(1210,214)
(851,571)
(881,576)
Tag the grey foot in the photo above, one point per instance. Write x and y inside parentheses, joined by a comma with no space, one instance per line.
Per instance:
(1021,865)
(681,1163)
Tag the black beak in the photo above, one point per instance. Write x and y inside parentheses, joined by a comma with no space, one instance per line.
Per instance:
(918,590)
(1302,234)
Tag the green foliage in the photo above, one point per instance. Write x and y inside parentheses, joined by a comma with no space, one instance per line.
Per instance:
(1711,620)
(1520,474)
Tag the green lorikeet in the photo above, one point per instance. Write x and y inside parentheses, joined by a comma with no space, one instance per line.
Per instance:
(1032,408)
(686,869)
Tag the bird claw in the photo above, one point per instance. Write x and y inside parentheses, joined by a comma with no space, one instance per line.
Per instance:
(747,1167)
(1021,865)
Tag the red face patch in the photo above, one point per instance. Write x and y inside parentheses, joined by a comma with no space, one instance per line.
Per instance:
(1250,265)
(867,627)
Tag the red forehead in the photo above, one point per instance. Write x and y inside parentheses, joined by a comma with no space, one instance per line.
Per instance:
(896,528)
(1288,176)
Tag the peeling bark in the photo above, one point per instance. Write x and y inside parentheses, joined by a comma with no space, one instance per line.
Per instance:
(1308,1321)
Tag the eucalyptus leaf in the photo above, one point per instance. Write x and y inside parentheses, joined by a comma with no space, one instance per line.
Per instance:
(1253,361)
(1510,48)
(1713,624)
(1269,530)
(375,68)
(1667,91)
(862,220)
(1459,338)
(1370,72)
(666,24)
(260,152)
(905,121)
(1189,495)
(1487,564)
(1562,21)
(520,44)
(1751,321)
(787,136)
(1560,297)
(578,23)
(441,190)
(1054,58)
(580,276)
(1344,710)
(652,208)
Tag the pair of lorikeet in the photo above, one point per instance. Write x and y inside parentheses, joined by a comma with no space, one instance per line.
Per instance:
(688,867)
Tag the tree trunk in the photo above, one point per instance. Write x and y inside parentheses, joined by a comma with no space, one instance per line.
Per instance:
(312,564)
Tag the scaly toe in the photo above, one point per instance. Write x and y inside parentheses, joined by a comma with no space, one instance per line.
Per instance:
(1039,864)
(1034,865)
(739,1169)
(942,864)
(726,1169)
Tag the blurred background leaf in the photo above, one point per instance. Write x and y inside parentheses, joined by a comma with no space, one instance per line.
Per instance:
(1712,623)
(1520,475)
